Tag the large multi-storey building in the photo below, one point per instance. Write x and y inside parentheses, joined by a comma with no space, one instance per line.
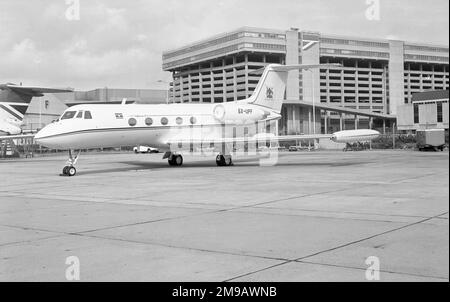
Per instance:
(375,76)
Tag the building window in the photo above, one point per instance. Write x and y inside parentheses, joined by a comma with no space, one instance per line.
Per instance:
(164,121)
(132,122)
(439,112)
(416,113)
(148,121)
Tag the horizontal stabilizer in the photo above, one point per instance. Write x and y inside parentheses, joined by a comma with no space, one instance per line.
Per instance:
(284,68)
(33,91)
(303,67)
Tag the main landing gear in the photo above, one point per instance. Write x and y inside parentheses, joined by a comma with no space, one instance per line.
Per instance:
(224,160)
(69,169)
(175,160)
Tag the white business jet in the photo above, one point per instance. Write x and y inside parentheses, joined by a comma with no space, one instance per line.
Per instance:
(177,128)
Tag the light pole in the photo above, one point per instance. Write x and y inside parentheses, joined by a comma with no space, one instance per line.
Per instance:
(313,101)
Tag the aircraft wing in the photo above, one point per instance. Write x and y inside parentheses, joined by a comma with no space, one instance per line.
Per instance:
(254,139)
(16,136)
(34,91)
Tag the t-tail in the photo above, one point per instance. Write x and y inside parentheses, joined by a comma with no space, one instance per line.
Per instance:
(271,88)
(14,102)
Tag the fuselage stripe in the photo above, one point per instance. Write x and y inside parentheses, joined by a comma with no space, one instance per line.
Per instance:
(132,129)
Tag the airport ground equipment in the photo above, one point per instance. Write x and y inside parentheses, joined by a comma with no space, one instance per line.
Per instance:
(8,149)
(431,139)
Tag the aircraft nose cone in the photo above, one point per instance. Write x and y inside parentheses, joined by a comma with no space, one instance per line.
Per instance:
(41,135)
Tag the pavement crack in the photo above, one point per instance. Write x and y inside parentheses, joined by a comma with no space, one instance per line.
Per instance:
(370,237)
(381,270)
(335,248)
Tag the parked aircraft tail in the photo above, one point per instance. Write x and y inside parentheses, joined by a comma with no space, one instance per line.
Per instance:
(271,88)
(14,102)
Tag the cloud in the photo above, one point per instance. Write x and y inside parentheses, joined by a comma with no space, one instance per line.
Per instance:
(119,43)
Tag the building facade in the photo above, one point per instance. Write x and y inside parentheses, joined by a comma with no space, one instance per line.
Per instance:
(428,110)
(376,75)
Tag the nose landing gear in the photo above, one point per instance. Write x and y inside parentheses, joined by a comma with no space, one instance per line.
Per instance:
(69,169)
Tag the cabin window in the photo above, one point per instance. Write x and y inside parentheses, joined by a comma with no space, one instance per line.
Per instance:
(80,114)
(132,122)
(193,120)
(164,121)
(179,121)
(68,115)
(148,121)
(87,115)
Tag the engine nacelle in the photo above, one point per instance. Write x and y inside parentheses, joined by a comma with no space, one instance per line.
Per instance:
(353,136)
(239,114)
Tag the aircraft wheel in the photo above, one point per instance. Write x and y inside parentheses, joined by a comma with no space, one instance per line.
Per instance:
(220,160)
(65,170)
(71,171)
(228,161)
(178,160)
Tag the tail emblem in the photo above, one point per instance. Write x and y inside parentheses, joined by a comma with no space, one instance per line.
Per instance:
(269,93)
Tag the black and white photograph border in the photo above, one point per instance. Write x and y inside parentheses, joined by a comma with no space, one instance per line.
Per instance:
(224,141)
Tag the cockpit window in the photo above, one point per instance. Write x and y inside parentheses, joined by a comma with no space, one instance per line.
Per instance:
(87,115)
(68,115)
(80,114)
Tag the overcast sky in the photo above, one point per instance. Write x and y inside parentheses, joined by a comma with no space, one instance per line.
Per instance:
(119,43)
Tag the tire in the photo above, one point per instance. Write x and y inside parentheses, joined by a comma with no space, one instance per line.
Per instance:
(228,161)
(178,160)
(64,171)
(71,171)
(220,160)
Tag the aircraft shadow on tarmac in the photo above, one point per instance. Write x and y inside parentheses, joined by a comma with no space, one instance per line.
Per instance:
(143,165)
